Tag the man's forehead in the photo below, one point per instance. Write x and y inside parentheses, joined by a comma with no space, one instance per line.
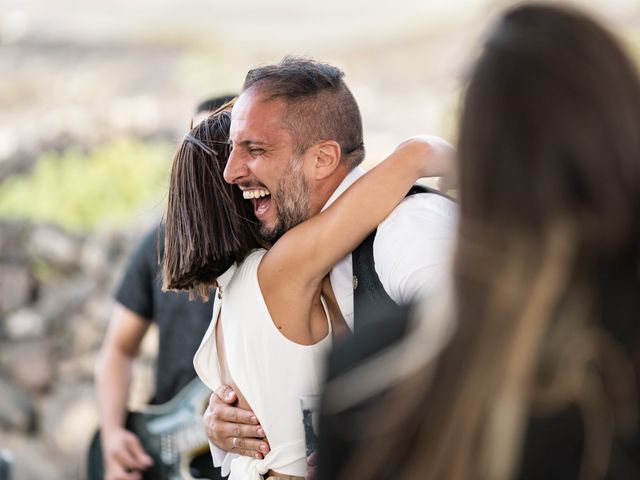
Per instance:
(253,111)
(251,104)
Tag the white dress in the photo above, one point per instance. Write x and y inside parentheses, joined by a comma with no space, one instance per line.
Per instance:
(271,371)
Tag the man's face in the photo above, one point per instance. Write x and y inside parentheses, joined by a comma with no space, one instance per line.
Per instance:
(263,164)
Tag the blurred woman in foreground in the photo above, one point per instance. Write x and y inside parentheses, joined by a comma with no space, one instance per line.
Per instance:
(540,380)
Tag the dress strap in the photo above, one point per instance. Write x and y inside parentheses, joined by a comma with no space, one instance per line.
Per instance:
(326,313)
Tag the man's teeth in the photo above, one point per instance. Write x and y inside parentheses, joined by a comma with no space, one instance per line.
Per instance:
(249,194)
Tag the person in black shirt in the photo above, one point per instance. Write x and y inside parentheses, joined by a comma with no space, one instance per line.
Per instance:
(181,325)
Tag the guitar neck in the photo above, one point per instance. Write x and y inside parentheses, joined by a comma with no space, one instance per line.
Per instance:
(189,438)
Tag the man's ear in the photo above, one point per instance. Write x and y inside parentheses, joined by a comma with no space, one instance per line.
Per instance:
(326,159)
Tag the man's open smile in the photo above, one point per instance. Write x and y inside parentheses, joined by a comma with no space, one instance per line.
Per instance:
(261,199)
(249,194)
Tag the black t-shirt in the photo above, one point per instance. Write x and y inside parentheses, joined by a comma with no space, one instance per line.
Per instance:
(181,323)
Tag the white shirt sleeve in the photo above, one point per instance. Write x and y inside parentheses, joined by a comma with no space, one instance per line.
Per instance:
(221,459)
(413,248)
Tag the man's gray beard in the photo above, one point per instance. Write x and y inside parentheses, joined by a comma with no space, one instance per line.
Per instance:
(292,199)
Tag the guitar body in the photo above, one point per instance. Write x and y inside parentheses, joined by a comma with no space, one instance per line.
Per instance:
(171,433)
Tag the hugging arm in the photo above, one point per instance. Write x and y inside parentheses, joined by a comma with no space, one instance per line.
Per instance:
(306,253)
(233,429)
(325,239)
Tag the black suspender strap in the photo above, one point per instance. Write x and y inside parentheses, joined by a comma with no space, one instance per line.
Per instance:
(369,295)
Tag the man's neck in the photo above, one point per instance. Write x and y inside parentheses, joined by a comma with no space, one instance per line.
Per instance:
(341,186)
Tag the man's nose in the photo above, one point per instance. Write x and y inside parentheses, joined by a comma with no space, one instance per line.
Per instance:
(236,168)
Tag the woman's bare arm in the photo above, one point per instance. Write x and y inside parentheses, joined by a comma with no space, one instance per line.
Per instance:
(306,253)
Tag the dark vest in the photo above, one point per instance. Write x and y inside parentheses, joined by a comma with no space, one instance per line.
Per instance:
(369,296)
(378,323)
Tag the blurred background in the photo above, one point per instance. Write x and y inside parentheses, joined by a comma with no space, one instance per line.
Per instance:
(94,97)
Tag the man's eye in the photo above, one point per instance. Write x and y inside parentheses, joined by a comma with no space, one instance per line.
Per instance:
(256,151)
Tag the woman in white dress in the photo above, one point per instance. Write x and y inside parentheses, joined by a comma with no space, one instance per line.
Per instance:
(274,310)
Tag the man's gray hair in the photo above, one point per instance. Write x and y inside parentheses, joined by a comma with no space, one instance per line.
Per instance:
(319,105)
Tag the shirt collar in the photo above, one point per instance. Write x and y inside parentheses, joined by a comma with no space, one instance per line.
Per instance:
(349,180)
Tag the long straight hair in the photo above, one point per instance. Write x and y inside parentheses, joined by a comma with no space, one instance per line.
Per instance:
(550,198)
(209,226)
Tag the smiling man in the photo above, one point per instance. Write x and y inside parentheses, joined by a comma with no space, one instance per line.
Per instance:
(296,132)
(275,123)
(264,165)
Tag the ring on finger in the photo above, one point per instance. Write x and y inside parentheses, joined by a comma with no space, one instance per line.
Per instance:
(234,442)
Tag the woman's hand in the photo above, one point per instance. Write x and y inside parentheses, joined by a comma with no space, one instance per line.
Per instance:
(432,157)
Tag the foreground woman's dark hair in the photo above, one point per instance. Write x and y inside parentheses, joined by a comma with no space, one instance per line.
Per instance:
(208,224)
(547,274)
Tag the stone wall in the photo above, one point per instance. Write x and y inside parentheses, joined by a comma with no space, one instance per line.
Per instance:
(55,301)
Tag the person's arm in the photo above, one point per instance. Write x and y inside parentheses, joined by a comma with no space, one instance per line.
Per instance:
(123,454)
(224,422)
(306,253)
(416,158)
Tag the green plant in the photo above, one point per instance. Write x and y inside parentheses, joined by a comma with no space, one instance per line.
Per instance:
(81,191)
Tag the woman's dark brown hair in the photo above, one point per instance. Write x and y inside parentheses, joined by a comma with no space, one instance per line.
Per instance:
(550,201)
(208,224)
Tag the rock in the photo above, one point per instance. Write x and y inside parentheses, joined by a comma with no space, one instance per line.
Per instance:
(98,310)
(12,238)
(25,323)
(87,335)
(70,416)
(18,163)
(18,286)
(78,368)
(16,407)
(54,246)
(94,258)
(33,460)
(32,366)
(116,243)
(66,295)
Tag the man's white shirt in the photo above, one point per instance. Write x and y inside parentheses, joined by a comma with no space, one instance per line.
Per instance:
(412,250)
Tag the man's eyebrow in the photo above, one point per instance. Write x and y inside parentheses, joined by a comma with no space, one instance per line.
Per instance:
(247,142)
